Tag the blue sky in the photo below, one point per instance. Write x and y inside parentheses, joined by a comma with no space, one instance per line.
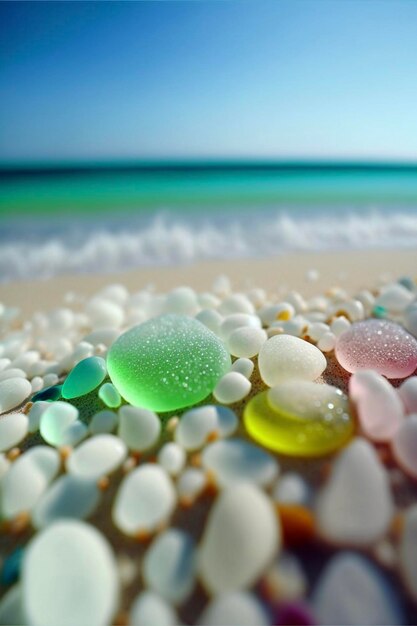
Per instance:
(270,79)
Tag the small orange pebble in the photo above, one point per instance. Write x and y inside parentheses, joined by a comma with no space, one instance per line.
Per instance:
(186,502)
(397,526)
(103,483)
(19,523)
(213,436)
(13,454)
(27,407)
(143,536)
(64,452)
(195,460)
(297,523)
(172,423)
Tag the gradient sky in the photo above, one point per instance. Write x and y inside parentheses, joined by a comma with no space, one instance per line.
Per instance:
(285,79)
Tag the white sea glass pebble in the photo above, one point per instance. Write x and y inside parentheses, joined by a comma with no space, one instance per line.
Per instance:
(241,537)
(59,425)
(169,566)
(103,422)
(235,460)
(4,464)
(291,488)
(149,609)
(237,607)
(172,458)
(408,550)
(243,366)
(13,391)
(12,372)
(197,425)
(139,428)
(404,445)
(238,320)
(13,428)
(69,577)
(232,387)
(355,507)
(98,456)
(146,498)
(26,480)
(246,341)
(67,497)
(408,394)
(190,484)
(284,357)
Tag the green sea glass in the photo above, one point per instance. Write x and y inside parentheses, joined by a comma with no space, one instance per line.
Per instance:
(86,376)
(109,395)
(167,363)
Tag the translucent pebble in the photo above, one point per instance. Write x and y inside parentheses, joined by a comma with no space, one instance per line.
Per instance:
(236,303)
(149,609)
(4,363)
(104,313)
(210,318)
(257,296)
(352,309)
(295,327)
(138,428)
(48,393)
(351,590)
(246,341)
(380,345)
(98,456)
(316,330)
(208,300)
(291,488)
(167,363)
(339,325)
(4,464)
(181,300)
(238,320)
(169,566)
(271,313)
(235,460)
(394,298)
(243,366)
(36,383)
(227,421)
(105,336)
(286,579)
(59,425)
(241,537)
(284,357)
(378,406)
(67,497)
(300,418)
(410,319)
(190,484)
(408,550)
(86,376)
(404,445)
(103,422)
(355,507)
(109,395)
(327,342)
(172,458)
(116,293)
(238,607)
(25,361)
(13,428)
(232,387)
(12,372)
(11,606)
(145,500)
(222,285)
(13,391)
(26,480)
(69,557)
(196,426)
(408,394)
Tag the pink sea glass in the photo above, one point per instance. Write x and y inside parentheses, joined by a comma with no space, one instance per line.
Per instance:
(380,345)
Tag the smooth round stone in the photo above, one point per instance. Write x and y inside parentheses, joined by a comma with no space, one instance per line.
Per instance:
(69,577)
(190,484)
(378,405)
(103,422)
(380,345)
(85,377)
(182,300)
(172,458)
(232,387)
(236,321)
(352,591)
(241,537)
(167,363)
(105,336)
(98,456)
(355,507)
(146,499)
(408,550)
(12,372)
(408,394)
(138,428)
(404,445)
(238,607)
(197,426)
(291,488)
(26,480)
(13,391)
(300,418)
(4,464)
(67,497)
(59,425)
(234,460)
(104,313)
(13,428)
(243,366)
(284,357)
(169,566)
(149,609)
(109,395)
(246,342)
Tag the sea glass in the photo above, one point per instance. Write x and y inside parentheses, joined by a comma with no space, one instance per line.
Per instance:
(86,376)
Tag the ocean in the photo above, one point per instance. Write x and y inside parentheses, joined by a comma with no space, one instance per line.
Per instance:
(106,218)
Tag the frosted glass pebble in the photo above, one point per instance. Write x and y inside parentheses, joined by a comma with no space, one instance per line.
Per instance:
(86,376)
(410,319)
(167,363)
(138,428)
(238,320)
(109,395)
(145,500)
(243,366)
(284,357)
(271,313)
(210,318)
(352,309)
(13,391)
(227,421)
(98,456)
(236,303)
(355,507)
(378,406)
(149,609)
(352,591)
(380,345)
(238,607)
(286,578)
(195,427)
(181,300)
(190,484)
(339,325)
(234,460)
(295,327)
(13,428)
(104,314)
(11,607)
(12,372)
(172,458)
(291,488)
(37,384)
(25,361)
(241,537)
(246,341)
(69,576)
(59,425)
(26,480)
(169,566)
(408,394)
(316,330)
(408,550)
(67,497)
(103,422)
(105,336)
(257,296)
(232,387)
(327,342)
(222,285)
(404,445)
(296,300)
(394,298)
